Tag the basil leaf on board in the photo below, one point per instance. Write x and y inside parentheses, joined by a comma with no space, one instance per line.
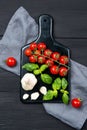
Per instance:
(46,78)
(62,90)
(43,67)
(30,66)
(64,83)
(48,96)
(55,93)
(65,98)
(56,84)
(36,72)
(66,92)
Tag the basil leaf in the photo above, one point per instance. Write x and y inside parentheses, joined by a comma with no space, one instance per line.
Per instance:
(65,98)
(56,84)
(43,67)
(62,90)
(64,83)
(46,78)
(30,66)
(66,92)
(36,72)
(48,96)
(55,93)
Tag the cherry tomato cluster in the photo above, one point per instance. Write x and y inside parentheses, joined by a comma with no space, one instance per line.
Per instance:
(41,54)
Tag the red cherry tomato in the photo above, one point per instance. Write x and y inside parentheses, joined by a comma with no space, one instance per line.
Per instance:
(49,62)
(41,46)
(11,62)
(41,59)
(47,52)
(54,69)
(76,102)
(63,71)
(63,59)
(33,46)
(33,58)
(28,52)
(55,55)
(37,52)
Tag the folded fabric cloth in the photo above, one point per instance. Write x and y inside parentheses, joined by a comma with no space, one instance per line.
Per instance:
(21,30)
(66,113)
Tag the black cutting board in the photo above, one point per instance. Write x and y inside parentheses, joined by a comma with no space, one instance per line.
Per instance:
(45,35)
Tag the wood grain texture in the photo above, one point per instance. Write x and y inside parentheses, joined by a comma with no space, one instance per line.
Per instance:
(70,22)
(70,16)
(78,49)
(14,115)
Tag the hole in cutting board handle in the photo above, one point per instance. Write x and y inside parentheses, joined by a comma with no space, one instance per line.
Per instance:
(45,20)
(45,26)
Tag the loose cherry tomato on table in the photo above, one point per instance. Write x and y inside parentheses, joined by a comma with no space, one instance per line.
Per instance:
(76,102)
(41,59)
(33,46)
(33,58)
(11,62)
(54,69)
(47,52)
(28,52)
(49,62)
(63,59)
(63,71)
(41,46)
(55,55)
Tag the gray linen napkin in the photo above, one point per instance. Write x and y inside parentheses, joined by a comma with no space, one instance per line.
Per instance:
(23,29)
(66,113)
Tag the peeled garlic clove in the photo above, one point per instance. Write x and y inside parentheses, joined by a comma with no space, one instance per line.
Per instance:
(34,95)
(43,90)
(25,96)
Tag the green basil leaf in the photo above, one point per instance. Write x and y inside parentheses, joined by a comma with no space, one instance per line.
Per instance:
(62,90)
(36,72)
(56,84)
(30,66)
(66,92)
(46,78)
(65,98)
(64,83)
(48,96)
(43,67)
(55,93)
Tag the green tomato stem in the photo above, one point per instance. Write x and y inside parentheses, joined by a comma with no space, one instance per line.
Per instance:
(56,61)
(53,60)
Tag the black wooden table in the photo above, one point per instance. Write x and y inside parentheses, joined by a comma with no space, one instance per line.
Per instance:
(71,30)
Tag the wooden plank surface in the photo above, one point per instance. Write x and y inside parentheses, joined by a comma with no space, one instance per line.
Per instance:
(70,16)
(70,24)
(14,115)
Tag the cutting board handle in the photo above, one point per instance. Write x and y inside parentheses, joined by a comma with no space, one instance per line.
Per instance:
(45,26)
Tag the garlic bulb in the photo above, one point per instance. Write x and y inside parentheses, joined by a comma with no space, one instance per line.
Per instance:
(28,81)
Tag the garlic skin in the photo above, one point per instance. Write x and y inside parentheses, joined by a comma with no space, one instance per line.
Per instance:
(43,90)
(25,96)
(34,96)
(28,81)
